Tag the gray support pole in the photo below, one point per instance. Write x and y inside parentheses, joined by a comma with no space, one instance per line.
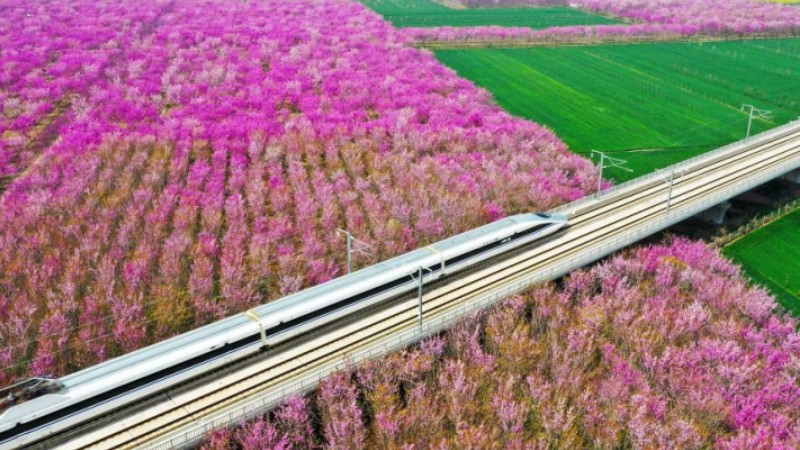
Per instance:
(349,253)
(671,183)
(419,296)
(600,178)
(349,238)
(754,113)
(613,162)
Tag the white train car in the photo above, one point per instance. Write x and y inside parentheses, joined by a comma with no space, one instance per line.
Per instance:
(51,407)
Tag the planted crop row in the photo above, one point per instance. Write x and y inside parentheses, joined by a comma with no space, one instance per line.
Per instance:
(419,13)
(769,256)
(676,99)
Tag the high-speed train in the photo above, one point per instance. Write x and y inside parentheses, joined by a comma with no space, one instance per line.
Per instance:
(102,388)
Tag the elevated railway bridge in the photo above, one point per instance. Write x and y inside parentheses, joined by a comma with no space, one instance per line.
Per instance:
(158,413)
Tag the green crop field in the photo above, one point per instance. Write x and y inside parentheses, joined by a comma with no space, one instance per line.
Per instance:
(425,13)
(769,257)
(651,104)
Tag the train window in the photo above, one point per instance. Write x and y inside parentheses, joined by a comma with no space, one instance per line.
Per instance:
(543,215)
(26,390)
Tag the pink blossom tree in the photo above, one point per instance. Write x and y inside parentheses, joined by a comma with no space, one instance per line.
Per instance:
(665,346)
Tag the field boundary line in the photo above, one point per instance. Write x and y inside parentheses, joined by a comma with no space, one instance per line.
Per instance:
(756,224)
(588,42)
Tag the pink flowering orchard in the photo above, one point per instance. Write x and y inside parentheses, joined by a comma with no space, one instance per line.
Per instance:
(704,16)
(171,163)
(663,347)
(168,163)
(54,57)
(695,16)
(553,35)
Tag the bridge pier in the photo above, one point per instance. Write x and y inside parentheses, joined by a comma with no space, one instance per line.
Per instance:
(793,176)
(715,214)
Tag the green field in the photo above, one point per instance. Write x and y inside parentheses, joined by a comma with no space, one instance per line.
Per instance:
(425,13)
(770,257)
(651,104)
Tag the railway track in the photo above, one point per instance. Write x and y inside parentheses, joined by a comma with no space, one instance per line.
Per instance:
(598,227)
